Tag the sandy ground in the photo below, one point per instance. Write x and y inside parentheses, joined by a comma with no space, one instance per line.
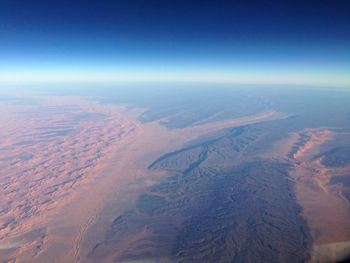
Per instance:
(49,151)
(324,207)
(63,189)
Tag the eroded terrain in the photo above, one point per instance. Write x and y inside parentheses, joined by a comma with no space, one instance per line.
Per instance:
(321,172)
(70,165)
(248,177)
(216,204)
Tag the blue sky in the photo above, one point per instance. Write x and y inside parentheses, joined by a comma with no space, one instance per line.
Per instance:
(293,42)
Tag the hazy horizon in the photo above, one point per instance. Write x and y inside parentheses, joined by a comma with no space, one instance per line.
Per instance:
(277,42)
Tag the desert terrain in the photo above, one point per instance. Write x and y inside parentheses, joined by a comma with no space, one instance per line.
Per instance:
(321,175)
(70,165)
(175,176)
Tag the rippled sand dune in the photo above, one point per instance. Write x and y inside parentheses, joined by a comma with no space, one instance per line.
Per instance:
(47,152)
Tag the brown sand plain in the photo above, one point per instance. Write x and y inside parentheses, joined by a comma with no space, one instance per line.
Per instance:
(67,174)
(324,207)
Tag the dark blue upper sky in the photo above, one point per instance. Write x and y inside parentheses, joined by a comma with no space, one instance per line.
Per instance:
(222,37)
